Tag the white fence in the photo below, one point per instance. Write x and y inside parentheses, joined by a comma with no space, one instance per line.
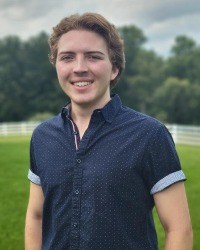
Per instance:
(189,135)
(17,128)
(182,134)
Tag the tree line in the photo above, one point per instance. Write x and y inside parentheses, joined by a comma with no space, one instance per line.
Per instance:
(166,88)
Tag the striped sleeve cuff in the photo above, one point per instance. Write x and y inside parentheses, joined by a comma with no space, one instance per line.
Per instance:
(34,178)
(168,180)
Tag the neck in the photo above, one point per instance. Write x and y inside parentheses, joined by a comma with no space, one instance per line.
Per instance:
(84,112)
(81,115)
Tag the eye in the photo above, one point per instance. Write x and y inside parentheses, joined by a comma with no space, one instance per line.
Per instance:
(94,57)
(67,58)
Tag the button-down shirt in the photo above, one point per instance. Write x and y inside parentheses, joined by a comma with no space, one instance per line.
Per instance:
(98,191)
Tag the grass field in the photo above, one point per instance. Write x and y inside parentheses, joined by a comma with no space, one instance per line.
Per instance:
(14,188)
(190,160)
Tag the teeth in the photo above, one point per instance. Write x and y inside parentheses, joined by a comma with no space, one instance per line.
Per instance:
(81,84)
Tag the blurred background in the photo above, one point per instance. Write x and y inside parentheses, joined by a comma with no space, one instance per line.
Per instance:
(162,76)
(161,79)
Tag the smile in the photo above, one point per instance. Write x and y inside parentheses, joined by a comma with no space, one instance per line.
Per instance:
(82,84)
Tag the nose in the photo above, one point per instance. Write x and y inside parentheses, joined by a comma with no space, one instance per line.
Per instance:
(80,65)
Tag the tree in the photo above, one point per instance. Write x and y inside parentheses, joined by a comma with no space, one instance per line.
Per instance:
(11,74)
(40,82)
(183,46)
(149,76)
(177,101)
(28,82)
(184,62)
(133,39)
(168,89)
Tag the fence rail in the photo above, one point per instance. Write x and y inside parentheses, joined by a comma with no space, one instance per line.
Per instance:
(17,128)
(183,134)
(189,135)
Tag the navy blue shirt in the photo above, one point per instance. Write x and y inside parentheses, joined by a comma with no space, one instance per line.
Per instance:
(98,191)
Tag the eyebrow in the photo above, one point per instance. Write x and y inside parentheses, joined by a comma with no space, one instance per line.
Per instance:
(94,52)
(87,52)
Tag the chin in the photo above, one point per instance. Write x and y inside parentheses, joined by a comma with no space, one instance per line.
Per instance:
(82,102)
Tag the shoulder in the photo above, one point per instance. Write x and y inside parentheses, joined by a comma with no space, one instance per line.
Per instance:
(48,126)
(140,120)
(141,127)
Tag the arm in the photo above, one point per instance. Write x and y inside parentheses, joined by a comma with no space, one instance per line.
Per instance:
(33,227)
(172,209)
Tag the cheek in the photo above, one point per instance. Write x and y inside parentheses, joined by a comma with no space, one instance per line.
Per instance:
(61,72)
(104,70)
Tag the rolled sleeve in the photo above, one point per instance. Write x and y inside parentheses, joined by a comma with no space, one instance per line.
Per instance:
(168,180)
(34,178)
(161,163)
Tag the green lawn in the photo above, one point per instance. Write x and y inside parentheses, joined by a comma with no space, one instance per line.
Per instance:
(14,161)
(14,153)
(190,160)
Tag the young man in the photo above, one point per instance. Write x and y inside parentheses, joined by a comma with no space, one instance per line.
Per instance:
(98,168)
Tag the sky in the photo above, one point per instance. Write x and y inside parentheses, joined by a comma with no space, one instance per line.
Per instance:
(160,20)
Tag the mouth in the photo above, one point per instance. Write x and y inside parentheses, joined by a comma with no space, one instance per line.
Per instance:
(82,83)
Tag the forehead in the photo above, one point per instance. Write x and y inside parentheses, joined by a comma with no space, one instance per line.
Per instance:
(82,40)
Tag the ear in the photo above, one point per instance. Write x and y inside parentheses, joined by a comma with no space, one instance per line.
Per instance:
(114,73)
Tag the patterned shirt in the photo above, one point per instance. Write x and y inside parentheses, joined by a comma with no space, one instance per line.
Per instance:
(98,191)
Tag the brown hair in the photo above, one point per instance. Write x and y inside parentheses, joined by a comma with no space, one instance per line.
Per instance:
(96,23)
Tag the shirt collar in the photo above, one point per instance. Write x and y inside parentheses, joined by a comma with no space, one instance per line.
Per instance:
(109,111)
(66,111)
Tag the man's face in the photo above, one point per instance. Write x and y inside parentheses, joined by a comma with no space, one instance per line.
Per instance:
(84,69)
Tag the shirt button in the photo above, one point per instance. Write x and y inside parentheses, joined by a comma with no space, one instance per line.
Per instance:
(76,191)
(78,160)
(75,133)
(75,224)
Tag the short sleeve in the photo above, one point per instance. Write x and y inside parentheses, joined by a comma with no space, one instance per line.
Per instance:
(161,165)
(33,173)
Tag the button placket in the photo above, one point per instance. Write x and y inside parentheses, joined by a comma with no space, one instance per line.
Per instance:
(76,203)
